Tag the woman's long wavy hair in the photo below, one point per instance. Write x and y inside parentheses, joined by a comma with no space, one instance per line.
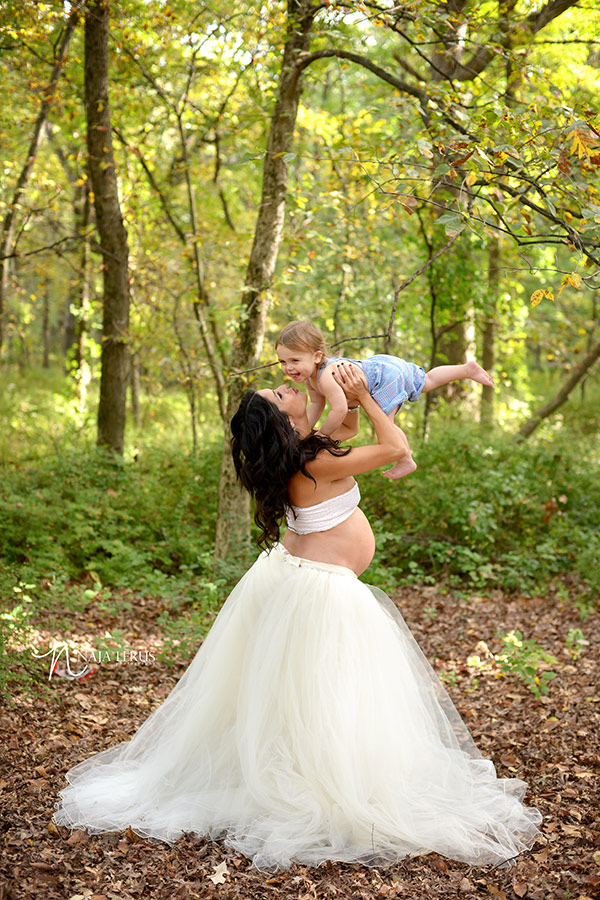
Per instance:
(266,453)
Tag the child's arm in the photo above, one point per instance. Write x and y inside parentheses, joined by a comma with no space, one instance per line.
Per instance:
(338,405)
(349,427)
(316,405)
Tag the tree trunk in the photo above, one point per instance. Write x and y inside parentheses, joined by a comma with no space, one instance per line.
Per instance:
(113,237)
(46,325)
(201,302)
(451,341)
(590,337)
(10,219)
(134,385)
(81,361)
(486,408)
(69,326)
(233,509)
(78,302)
(561,396)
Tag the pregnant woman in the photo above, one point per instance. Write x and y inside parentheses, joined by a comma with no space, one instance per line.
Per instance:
(309,725)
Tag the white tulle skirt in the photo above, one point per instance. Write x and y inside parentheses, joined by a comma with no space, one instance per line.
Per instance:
(308,727)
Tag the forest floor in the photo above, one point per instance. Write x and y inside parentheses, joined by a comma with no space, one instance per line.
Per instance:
(552,743)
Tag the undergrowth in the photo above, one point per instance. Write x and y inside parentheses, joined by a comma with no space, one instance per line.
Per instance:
(484,510)
(80,526)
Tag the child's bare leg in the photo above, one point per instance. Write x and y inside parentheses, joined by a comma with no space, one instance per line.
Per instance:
(404,467)
(445,374)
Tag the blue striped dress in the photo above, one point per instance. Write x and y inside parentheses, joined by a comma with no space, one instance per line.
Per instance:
(391,380)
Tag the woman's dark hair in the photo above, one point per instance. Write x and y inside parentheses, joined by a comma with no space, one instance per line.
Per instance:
(266,453)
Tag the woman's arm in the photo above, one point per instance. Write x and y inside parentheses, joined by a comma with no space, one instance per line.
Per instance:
(356,391)
(392,443)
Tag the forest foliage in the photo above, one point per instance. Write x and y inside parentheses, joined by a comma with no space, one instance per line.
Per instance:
(455,139)
(379,176)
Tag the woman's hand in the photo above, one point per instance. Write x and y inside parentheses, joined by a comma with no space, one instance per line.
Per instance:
(352,382)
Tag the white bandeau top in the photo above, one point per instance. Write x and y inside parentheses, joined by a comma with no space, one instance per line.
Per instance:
(325,515)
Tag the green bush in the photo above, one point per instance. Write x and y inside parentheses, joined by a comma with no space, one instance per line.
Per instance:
(489,511)
(526,659)
(88,512)
(79,526)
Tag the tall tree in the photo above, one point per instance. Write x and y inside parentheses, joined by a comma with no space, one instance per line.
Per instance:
(232,518)
(112,234)
(488,329)
(10,219)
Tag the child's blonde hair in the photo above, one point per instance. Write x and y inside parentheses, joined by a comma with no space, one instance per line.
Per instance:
(303,335)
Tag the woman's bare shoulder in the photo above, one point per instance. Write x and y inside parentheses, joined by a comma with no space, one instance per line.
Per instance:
(301,488)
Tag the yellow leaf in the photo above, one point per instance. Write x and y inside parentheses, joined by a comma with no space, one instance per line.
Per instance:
(583,142)
(537,297)
(573,279)
(471,178)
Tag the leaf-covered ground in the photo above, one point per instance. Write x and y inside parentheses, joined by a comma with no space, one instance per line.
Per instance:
(553,744)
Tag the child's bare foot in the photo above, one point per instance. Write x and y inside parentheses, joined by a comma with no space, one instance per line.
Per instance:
(476,373)
(401,468)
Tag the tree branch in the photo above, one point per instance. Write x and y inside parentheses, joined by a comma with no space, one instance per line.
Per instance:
(369,337)
(400,85)
(561,396)
(526,27)
(397,292)
(154,185)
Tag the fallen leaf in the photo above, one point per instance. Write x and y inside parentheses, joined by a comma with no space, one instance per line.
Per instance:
(465,886)
(78,837)
(520,889)
(496,892)
(219,874)
(571,830)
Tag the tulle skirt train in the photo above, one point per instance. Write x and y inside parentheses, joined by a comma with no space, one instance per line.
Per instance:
(309,726)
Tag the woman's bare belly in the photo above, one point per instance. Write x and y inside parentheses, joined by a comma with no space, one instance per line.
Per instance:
(350,544)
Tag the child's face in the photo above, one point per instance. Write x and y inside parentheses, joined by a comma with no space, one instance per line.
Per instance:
(298,364)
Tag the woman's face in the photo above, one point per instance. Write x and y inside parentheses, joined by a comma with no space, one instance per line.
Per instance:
(289,400)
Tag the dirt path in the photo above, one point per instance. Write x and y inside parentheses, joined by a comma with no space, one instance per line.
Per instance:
(552,744)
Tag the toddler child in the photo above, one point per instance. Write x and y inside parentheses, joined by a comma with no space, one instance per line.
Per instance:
(304,357)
